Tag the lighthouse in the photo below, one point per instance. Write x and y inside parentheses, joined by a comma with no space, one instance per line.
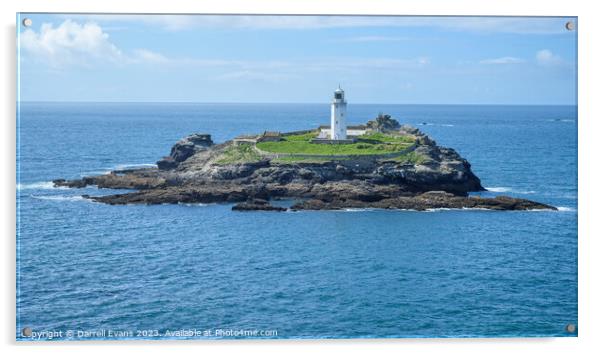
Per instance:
(338,110)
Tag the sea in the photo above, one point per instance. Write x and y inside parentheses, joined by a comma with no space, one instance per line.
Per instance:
(86,270)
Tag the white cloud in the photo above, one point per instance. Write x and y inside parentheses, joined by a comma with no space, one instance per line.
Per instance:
(275,71)
(546,57)
(376,39)
(262,76)
(242,68)
(73,44)
(145,55)
(530,25)
(70,43)
(502,60)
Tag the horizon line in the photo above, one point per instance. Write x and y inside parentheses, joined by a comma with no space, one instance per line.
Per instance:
(325,103)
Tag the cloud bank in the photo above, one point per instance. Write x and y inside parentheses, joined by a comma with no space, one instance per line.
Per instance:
(518,25)
(502,61)
(75,44)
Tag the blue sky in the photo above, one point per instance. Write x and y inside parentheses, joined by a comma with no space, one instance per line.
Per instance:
(195,58)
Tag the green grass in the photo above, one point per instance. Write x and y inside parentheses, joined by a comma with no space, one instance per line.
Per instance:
(301,159)
(301,137)
(411,157)
(388,138)
(239,154)
(300,144)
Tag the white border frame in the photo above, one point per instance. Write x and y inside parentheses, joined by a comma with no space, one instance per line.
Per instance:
(590,232)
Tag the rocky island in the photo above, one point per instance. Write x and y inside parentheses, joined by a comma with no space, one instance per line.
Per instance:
(387,166)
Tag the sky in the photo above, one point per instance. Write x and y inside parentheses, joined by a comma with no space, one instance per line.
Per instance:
(297,59)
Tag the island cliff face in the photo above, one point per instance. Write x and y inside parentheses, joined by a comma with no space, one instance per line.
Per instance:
(420,177)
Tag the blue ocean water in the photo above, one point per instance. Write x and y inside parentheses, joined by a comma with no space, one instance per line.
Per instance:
(358,273)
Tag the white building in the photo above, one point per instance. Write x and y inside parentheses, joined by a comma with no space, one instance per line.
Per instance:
(338,110)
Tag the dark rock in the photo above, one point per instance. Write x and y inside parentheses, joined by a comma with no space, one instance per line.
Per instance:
(383,123)
(185,148)
(78,183)
(425,201)
(167,163)
(408,129)
(257,205)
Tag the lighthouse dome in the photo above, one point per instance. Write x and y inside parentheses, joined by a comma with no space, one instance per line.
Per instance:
(339,94)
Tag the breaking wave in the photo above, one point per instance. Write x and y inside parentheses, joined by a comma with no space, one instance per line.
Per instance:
(508,190)
(125,166)
(36,185)
(193,204)
(133,165)
(566,209)
(67,198)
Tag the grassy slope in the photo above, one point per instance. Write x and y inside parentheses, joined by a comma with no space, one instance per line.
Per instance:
(411,157)
(372,144)
(238,154)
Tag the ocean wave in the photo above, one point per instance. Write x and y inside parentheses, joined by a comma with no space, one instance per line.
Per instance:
(561,208)
(95,173)
(508,190)
(132,166)
(37,185)
(193,204)
(353,210)
(119,167)
(562,120)
(66,198)
(431,210)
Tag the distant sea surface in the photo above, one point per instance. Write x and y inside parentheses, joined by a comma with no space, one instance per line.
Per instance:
(358,273)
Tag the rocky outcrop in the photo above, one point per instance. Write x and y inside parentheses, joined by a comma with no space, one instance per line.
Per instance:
(383,123)
(426,201)
(134,179)
(184,149)
(197,171)
(257,205)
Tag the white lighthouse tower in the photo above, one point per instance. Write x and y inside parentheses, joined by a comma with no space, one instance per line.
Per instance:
(338,110)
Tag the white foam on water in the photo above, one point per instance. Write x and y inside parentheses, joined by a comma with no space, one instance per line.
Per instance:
(562,120)
(125,166)
(566,209)
(61,198)
(508,190)
(356,209)
(95,173)
(434,210)
(133,165)
(193,204)
(37,185)
(498,189)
